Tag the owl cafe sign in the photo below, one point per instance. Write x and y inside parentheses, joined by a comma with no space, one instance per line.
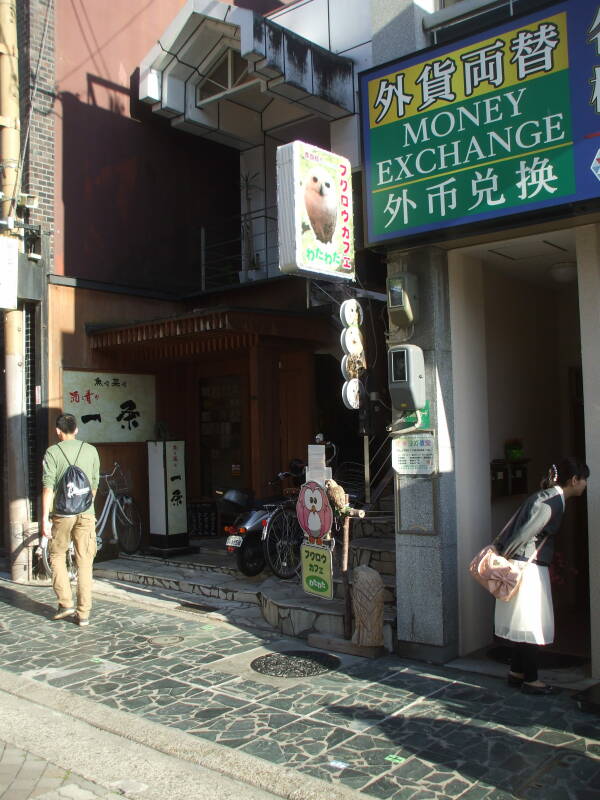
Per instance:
(315,223)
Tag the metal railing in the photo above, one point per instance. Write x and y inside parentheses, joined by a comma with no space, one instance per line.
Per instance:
(251,253)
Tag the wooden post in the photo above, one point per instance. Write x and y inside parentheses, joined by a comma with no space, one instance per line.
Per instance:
(345,577)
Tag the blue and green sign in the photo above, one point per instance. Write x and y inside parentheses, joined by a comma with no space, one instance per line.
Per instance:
(496,125)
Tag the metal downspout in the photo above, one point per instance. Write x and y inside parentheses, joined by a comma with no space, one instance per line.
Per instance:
(16,486)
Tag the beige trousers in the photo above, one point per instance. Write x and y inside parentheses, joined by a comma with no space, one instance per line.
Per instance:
(82,530)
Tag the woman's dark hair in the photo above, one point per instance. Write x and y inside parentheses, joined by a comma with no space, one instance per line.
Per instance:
(570,467)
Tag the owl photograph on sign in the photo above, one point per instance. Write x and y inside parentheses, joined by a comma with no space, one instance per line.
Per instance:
(321,202)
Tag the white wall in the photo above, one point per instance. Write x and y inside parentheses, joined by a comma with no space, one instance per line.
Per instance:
(524,388)
(588,267)
(471,434)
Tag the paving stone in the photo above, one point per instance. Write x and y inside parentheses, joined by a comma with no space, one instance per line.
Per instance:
(390,728)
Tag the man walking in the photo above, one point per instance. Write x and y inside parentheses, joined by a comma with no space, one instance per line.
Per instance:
(80,527)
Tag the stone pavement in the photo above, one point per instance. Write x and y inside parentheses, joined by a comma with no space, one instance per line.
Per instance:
(390,728)
(24,775)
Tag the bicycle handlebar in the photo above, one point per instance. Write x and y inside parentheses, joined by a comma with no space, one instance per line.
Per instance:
(110,474)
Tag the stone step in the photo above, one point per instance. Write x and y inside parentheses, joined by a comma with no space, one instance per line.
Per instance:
(374,524)
(203,561)
(288,609)
(378,552)
(181,577)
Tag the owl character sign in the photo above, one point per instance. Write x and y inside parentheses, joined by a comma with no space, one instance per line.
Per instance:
(314,211)
(314,511)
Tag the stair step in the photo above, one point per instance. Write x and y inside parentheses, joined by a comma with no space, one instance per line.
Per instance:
(190,579)
(291,611)
(204,562)
(382,544)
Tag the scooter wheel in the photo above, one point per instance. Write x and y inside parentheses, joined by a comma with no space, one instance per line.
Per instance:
(250,556)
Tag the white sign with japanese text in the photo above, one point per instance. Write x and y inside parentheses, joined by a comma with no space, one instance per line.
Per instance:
(314,199)
(175,481)
(413,453)
(9,271)
(111,406)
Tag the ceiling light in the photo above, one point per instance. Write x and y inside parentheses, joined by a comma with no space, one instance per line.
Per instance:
(563,271)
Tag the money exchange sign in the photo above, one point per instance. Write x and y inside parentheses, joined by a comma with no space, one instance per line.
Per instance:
(505,122)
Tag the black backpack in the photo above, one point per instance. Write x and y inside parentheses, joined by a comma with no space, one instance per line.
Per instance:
(73,494)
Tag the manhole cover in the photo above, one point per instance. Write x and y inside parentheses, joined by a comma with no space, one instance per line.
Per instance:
(295,664)
(165,641)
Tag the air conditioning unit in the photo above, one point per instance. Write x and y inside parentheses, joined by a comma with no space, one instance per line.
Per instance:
(28,200)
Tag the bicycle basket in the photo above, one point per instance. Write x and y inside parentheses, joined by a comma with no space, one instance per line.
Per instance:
(117,482)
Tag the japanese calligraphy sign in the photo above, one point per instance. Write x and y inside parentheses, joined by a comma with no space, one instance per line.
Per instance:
(314,198)
(505,122)
(317,570)
(175,482)
(111,406)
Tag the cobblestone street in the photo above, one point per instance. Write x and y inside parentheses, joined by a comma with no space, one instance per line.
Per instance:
(389,728)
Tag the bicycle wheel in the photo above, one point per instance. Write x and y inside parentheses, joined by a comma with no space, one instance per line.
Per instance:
(282,542)
(70,559)
(127,524)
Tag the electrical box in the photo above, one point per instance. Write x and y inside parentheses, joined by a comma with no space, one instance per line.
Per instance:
(403,299)
(406,377)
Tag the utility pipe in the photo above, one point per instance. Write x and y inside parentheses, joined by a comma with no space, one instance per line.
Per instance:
(16,455)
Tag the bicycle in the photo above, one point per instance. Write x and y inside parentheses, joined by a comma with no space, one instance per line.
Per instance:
(282,535)
(126,523)
(282,538)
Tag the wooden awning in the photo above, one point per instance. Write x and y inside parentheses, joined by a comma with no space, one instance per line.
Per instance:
(213,331)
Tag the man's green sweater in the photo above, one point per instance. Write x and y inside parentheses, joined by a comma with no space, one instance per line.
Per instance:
(55,464)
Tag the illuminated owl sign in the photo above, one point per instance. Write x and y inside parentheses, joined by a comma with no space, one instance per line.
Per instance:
(313,510)
(315,219)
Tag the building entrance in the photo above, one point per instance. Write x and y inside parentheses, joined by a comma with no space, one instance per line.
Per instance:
(535,403)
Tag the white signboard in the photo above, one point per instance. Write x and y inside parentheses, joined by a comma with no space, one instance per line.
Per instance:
(317,469)
(314,198)
(413,453)
(9,271)
(111,406)
(175,481)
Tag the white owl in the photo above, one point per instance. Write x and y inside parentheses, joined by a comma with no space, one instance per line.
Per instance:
(313,501)
(320,199)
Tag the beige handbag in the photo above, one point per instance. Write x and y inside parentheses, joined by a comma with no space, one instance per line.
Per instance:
(499,575)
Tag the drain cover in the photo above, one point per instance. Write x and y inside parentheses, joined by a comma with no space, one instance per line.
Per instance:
(295,664)
(165,641)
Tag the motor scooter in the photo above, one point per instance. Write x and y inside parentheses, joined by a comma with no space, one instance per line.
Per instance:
(245,533)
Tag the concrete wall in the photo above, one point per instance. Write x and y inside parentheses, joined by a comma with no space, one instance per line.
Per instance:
(588,261)
(471,448)
(426,561)
(397,28)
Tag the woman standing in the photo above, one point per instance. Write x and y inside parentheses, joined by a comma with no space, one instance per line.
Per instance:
(527,619)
